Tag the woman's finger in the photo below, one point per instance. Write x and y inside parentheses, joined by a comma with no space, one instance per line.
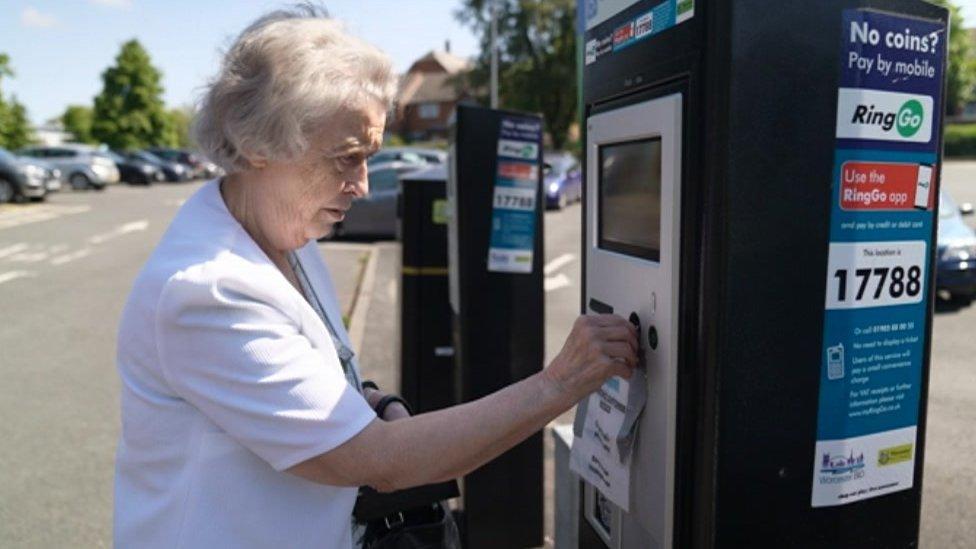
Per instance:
(620,350)
(618,333)
(621,370)
(607,321)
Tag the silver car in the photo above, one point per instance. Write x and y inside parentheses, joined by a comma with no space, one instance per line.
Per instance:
(375,215)
(82,166)
(409,155)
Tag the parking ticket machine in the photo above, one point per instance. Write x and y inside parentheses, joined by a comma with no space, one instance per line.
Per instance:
(759,200)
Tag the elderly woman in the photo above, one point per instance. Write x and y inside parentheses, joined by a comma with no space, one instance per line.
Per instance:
(244,420)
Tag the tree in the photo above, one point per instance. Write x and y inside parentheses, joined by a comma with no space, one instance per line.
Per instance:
(537,57)
(77,120)
(961,76)
(15,128)
(180,121)
(5,69)
(129,112)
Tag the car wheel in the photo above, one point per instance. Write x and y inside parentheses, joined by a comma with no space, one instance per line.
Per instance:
(98,187)
(6,191)
(962,300)
(79,181)
(563,201)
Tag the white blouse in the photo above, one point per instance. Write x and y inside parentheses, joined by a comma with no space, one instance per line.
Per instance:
(229,377)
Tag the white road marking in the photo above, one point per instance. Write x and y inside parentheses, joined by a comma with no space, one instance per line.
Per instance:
(175,201)
(558,263)
(57,248)
(13,275)
(13,249)
(553,283)
(68,258)
(32,214)
(132,227)
(32,257)
(357,317)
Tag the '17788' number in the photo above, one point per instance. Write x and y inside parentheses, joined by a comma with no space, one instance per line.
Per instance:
(896,282)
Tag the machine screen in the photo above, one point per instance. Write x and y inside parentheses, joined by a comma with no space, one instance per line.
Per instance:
(630,198)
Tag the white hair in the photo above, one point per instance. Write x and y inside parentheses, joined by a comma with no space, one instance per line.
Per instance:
(280,81)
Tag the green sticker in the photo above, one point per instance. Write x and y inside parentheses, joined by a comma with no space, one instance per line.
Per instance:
(910,117)
(895,454)
(438,212)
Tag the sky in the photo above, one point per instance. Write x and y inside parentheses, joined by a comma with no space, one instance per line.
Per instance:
(59,48)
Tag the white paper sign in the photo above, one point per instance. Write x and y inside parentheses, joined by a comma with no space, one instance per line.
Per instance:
(595,456)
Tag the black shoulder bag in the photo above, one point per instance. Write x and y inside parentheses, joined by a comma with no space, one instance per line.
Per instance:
(415,518)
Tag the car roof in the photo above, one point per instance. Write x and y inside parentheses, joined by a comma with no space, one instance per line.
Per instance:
(80,147)
(399,166)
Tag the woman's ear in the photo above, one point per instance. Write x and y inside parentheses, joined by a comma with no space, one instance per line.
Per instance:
(257,162)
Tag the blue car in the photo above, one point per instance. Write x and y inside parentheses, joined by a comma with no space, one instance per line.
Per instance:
(562,179)
(956,268)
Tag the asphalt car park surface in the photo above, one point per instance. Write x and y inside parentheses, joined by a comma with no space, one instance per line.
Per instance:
(66,267)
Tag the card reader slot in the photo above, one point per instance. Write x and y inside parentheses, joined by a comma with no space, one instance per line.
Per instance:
(600,307)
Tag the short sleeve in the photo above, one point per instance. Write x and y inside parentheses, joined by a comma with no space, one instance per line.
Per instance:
(226,349)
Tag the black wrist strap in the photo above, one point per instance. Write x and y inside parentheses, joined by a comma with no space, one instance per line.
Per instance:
(386,401)
(367,384)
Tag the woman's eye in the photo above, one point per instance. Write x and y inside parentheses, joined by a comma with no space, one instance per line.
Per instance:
(349,159)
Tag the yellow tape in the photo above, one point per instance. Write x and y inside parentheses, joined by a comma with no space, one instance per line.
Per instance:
(895,454)
(424,271)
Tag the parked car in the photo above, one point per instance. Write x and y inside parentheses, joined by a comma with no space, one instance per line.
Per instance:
(956,264)
(20,180)
(408,155)
(211,170)
(173,171)
(375,215)
(53,175)
(135,171)
(562,179)
(82,166)
(194,163)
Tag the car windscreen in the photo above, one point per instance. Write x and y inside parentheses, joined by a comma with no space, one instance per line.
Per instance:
(383,180)
(109,155)
(5,156)
(947,208)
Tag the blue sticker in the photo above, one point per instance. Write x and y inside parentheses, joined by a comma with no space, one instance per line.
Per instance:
(881,222)
(513,221)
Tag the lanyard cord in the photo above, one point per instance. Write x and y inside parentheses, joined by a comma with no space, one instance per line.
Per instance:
(345,353)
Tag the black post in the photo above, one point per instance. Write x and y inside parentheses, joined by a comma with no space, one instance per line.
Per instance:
(426,347)
(496,276)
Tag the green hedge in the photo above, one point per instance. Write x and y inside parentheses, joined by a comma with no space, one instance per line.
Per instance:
(960,140)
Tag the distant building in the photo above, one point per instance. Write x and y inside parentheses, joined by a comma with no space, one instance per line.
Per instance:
(428,96)
(51,134)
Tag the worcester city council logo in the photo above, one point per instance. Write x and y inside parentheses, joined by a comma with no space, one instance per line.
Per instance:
(910,117)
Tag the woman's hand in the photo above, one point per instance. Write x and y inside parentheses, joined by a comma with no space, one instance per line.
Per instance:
(599,347)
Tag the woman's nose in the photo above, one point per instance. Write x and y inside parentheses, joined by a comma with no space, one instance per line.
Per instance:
(360,182)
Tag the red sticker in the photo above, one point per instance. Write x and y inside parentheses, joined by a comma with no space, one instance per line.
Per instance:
(518,170)
(623,33)
(885,186)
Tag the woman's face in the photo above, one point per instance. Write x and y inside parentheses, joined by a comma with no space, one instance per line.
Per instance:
(302,199)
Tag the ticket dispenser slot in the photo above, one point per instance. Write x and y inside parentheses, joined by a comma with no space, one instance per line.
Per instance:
(632,242)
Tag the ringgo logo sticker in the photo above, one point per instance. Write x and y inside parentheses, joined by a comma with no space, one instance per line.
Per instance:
(883,116)
(910,118)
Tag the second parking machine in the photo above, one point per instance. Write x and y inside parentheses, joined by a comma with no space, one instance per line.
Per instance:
(760,200)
